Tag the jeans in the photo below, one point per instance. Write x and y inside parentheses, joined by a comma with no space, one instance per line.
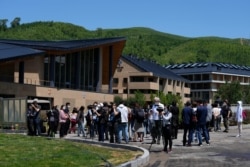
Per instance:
(202,129)
(123,131)
(217,122)
(81,128)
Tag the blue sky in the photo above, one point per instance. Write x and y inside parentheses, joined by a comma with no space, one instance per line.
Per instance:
(189,18)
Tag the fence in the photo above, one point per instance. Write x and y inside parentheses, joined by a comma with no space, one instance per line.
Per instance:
(13,113)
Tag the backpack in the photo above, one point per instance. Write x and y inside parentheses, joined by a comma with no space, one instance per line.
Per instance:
(140,115)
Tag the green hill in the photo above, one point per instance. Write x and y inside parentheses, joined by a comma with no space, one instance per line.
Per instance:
(143,42)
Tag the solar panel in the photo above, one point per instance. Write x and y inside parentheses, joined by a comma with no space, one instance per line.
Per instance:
(174,66)
(180,66)
(224,65)
(205,64)
(193,65)
(168,66)
(187,65)
(234,66)
(217,64)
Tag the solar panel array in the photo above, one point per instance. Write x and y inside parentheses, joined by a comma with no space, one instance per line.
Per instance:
(202,65)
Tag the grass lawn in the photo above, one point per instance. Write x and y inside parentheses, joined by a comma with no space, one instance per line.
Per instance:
(18,150)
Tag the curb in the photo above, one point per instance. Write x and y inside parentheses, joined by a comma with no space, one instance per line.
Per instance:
(139,161)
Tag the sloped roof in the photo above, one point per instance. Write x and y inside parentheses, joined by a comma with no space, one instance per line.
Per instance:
(8,51)
(63,45)
(197,68)
(156,69)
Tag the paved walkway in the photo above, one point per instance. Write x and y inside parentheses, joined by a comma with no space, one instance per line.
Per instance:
(225,150)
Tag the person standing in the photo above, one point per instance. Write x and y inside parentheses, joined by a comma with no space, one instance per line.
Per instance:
(157,122)
(67,123)
(217,116)
(225,110)
(80,122)
(201,122)
(111,123)
(53,117)
(30,122)
(62,120)
(175,119)
(186,118)
(123,124)
(239,117)
(167,129)
(139,122)
(73,122)
(37,121)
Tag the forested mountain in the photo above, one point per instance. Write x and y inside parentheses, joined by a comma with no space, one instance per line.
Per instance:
(142,42)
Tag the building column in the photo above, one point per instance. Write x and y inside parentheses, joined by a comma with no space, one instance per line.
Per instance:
(77,70)
(52,71)
(110,69)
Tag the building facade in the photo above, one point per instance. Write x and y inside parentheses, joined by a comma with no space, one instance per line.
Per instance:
(206,78)
(76,71)
(134,74)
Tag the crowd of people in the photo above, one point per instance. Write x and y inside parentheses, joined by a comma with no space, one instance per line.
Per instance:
(118,122)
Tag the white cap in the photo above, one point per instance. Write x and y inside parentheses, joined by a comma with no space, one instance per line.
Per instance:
(35,100)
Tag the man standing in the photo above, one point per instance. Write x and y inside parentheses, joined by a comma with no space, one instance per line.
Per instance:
(201,124)
(157,121)
(37,121)
(123,124)
(225,110)
(175,119)
(186,118)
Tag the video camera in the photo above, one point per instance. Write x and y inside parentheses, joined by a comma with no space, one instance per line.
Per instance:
(160,108)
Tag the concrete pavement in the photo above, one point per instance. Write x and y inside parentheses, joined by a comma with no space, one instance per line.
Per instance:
(225,150)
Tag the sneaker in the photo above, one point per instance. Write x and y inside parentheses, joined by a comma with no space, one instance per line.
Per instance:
(189,145)
(238,136)
(200,145)
(208,144)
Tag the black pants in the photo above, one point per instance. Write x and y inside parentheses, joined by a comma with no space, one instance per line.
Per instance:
(52,128)
(167,134)
(156,130)
(62,129)
(175,131)
(30,125)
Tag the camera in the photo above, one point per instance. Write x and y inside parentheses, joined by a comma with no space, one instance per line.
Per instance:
(159,109)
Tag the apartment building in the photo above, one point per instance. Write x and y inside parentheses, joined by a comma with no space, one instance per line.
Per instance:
(134,74)
(206,78)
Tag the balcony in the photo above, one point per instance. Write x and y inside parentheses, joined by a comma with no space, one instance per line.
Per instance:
(144,85)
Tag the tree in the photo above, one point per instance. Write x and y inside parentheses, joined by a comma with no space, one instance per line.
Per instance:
(231,91)
(140,98)
(15,22)
(3,24)
(117,99)
(246,94)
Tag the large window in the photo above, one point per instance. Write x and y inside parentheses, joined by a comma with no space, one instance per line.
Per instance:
(78,70)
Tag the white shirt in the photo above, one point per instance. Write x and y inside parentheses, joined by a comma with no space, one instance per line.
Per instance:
(154,111)
(124,113)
